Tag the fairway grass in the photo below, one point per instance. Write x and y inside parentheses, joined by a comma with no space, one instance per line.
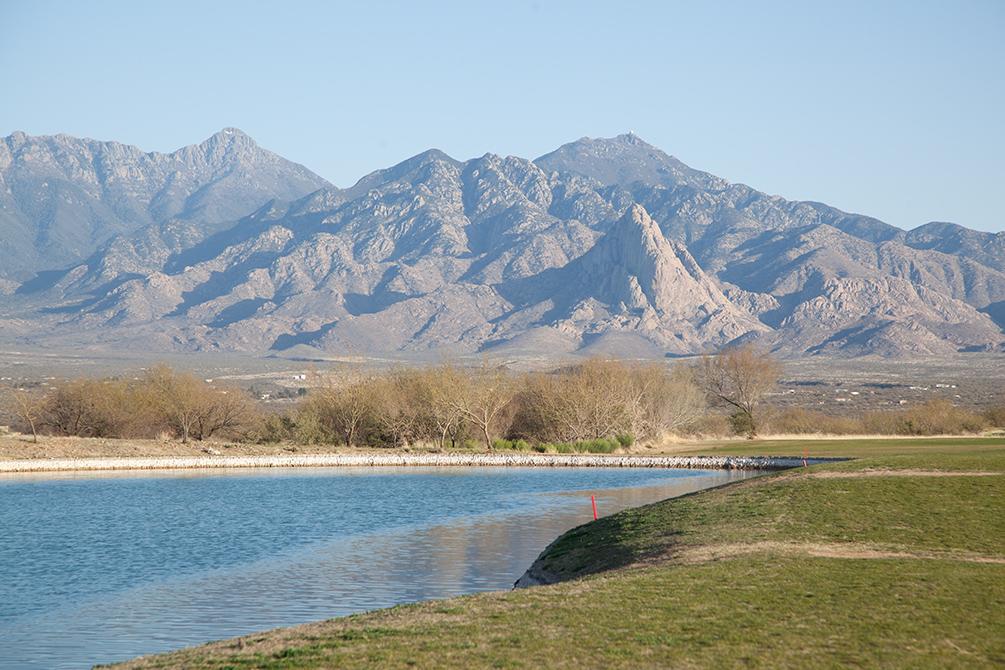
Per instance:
(887,562)
(858,447)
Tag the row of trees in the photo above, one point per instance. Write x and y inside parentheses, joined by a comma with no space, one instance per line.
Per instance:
(162,401)
(445,405)
(452,406)
(448,405)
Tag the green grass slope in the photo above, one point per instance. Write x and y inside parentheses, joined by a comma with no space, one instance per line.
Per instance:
(893,560)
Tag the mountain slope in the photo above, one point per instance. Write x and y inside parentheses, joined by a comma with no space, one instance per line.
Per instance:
(61,197)
(636,280)
(606,245)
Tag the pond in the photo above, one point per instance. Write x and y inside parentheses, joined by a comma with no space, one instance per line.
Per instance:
(99,568)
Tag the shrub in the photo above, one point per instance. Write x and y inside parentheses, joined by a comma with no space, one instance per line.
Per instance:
(604,399)
(90,408)
(510,445)
(272,429)
(741,423)
(163,401)
(799,421)
(711,425)
(937,417)
(995,416)
(738,378)
(595,407)
(191,408)
(597,446)
(310,429)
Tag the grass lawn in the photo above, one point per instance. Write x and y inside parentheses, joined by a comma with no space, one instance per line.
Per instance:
(853,448)
(896,559)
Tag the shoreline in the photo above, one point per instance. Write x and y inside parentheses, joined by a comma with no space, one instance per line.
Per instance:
(399,460)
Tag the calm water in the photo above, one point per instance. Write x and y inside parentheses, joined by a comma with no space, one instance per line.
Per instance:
(95,569)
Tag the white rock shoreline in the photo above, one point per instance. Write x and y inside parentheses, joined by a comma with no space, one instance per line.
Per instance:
(399,460)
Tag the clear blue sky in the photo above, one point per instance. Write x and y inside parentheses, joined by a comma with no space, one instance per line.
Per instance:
(893,109)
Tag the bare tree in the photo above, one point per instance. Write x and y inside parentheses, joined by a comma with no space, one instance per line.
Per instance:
(479,397)
(606,399)
(592,400)
(178,396)
(443,417)
(394,410)
(220,410)
(739,377)
(28,406)
(668,401)
(92,408)
(344,407)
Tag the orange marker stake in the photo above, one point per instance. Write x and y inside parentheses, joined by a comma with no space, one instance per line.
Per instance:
(806,453)
(593,499)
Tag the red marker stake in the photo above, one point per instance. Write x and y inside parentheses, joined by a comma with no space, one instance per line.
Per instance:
(593,499)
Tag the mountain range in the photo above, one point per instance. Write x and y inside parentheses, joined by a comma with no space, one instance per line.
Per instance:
(605,246)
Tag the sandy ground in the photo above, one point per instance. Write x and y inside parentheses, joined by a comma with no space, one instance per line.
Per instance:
(20,447)
(16,447)
(827,550)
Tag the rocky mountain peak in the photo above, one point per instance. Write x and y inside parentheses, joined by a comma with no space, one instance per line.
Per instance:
(636,246)
(16,139)
(231,131)
(633,139)
(229,137)
(624,160)
(403,170)
(637,220)
(635,279)
(224,146)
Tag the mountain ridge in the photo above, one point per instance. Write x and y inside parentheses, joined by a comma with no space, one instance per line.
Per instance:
(62,197)
(600,244)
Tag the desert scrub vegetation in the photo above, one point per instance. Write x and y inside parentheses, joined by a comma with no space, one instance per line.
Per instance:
(605,399)
(597,406)
(600,445)
(936,417)
(161,402)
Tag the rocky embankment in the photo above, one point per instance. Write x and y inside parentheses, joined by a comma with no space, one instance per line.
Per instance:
(402,459)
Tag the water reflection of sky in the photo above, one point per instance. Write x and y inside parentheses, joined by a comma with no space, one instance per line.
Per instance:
(104,568)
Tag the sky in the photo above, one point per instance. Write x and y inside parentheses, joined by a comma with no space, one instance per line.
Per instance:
(891,109)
